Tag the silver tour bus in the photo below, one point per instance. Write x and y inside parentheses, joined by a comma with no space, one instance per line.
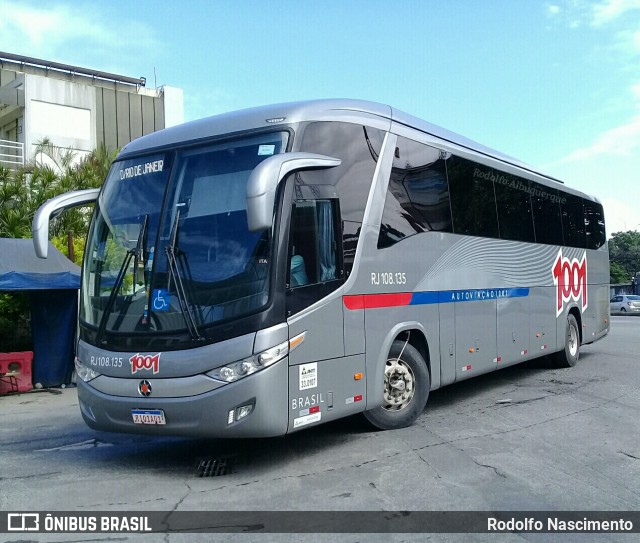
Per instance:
(268,270)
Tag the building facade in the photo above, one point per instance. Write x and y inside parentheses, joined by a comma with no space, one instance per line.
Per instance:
(76,108)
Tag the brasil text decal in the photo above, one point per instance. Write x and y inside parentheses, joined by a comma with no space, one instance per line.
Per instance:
(570,280)
(145,362)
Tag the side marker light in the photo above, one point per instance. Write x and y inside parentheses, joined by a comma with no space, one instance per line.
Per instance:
(297,340)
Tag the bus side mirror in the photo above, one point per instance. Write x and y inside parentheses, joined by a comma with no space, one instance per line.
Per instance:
(264,180)
(51,209)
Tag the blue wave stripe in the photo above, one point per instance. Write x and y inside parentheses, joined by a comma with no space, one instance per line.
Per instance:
(470,295)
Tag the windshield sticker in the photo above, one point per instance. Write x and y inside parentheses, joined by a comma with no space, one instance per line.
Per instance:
(266,150)
(141,169)
(160,299)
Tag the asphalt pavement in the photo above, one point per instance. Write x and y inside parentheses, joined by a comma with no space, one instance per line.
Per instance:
(529,437)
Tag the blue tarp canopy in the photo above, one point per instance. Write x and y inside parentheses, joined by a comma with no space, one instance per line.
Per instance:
(21,269)
(53,285)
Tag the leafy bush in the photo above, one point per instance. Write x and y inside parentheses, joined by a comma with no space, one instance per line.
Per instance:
(22,192)
(15,322)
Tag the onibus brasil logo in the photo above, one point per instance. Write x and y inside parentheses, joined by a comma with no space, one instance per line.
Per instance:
(570,279)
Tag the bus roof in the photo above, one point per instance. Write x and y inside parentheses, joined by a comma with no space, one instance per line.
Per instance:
(312,110)
(257,117)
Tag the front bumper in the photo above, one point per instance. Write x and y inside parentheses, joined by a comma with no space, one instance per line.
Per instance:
(201,415)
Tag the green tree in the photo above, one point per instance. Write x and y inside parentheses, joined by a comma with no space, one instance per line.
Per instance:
(99,162)
(53,171)
(62,244)
(618,274)
(624,255)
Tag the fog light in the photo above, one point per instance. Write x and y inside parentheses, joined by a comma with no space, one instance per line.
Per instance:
(243,411)
(230,417)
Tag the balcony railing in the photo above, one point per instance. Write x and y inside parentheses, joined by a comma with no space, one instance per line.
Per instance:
(11,154)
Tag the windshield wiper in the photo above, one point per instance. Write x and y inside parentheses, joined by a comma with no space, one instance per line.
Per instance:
(135,251)
(139,251)
(185,306)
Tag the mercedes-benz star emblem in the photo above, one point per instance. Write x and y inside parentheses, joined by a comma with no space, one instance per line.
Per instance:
(144,388)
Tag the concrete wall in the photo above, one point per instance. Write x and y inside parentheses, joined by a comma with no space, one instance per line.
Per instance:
(81,113)
(63,111)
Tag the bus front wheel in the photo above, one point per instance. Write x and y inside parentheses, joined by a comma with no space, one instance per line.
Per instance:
(568,357)
(406,388)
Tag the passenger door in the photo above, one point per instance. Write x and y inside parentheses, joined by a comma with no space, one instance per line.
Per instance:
(315,271)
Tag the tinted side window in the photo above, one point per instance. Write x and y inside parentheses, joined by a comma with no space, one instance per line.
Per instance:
(418,196)
(573,226)
(594,224)
(313,257)
(359,148)
(315,267)
(473,203)
(546,214)
(515,217)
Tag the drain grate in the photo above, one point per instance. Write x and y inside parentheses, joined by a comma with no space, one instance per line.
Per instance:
(215,467)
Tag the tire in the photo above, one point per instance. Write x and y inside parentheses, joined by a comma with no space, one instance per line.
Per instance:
(568,357)
(411,376)
(623,310)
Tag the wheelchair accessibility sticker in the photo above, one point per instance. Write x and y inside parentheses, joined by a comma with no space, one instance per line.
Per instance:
(160,299)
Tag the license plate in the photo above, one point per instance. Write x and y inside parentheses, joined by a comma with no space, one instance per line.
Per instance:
(148,416)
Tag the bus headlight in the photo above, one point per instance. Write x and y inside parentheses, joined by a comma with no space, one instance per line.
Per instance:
(242,368)
(84,372)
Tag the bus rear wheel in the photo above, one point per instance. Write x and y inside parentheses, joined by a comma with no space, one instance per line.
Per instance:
(568,357)
(406,389)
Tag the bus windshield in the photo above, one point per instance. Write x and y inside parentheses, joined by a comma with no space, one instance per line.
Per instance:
(169,249)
